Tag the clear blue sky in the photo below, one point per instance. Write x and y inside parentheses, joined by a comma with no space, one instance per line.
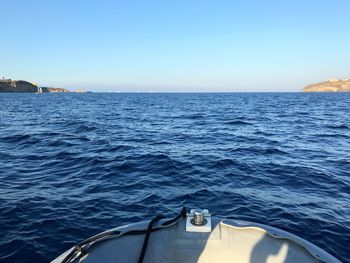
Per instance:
(175,45)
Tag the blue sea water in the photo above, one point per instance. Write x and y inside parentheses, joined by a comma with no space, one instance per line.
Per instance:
(73,165)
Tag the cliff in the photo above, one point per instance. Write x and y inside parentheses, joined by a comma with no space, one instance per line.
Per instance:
(332,85)
(47,89)
(8,85)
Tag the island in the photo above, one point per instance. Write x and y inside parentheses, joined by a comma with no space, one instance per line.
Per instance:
(22,86)
(331,85)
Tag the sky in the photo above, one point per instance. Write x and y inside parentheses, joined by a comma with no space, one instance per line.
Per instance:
(175,46)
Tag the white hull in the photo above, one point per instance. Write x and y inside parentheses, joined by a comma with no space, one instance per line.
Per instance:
(228,241)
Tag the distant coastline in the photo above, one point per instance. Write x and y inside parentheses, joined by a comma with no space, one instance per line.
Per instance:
(331,85)
(22,86)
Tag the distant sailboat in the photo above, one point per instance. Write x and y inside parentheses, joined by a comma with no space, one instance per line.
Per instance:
(40,90)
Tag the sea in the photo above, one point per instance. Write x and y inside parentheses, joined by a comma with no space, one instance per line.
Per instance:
(73,165)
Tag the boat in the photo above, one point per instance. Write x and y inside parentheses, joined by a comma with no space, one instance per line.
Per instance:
(195,236)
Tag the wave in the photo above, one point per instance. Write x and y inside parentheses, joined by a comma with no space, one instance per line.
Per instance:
(238,122)
(338,126)
(333,135)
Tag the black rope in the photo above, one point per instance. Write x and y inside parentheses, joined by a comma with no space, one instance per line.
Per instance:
(85,245)
(182,214)
(149,230)
(99,236)
(148,233)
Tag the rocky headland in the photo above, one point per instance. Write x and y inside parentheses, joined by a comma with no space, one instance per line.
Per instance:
(331,85)
(22,86)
